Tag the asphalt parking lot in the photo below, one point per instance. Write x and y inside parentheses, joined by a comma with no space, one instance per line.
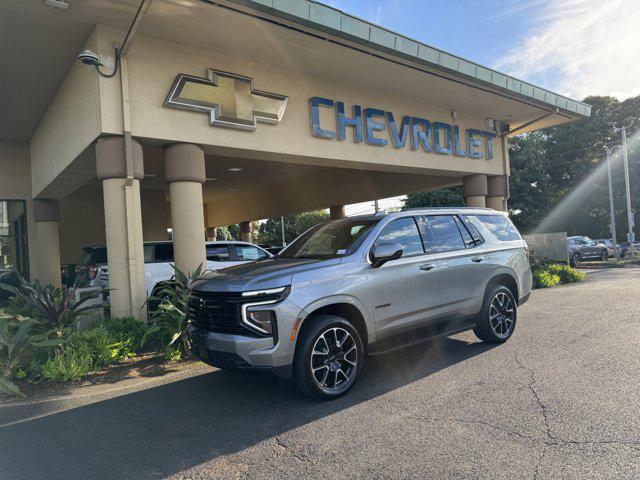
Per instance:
(559,400)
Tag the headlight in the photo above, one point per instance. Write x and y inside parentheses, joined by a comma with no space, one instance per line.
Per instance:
(262,320)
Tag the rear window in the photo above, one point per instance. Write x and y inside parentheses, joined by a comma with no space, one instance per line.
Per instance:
(93,256)
(500,226)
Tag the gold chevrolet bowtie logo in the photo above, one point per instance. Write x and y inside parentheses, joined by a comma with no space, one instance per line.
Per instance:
(230,99)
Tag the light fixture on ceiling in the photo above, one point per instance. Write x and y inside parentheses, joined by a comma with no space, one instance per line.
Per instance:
(57,4)
(234,169)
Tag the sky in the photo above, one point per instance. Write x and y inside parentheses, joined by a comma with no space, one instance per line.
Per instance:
(573,47)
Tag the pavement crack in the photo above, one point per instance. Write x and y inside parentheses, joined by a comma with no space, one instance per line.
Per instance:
(541,405)
(287,448)
(554,440)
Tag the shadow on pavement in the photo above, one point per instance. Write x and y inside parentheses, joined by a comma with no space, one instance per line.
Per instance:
(168,429)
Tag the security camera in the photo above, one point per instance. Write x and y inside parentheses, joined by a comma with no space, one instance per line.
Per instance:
(89,58)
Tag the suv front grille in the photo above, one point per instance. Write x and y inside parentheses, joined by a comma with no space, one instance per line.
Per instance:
(218,312)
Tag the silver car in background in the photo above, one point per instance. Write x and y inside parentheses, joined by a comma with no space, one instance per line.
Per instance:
(362,285)
(583,248)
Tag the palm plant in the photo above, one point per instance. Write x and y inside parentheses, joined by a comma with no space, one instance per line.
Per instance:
(169,314)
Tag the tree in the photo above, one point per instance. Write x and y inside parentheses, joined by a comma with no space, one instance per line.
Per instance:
(446,197)
(559,176)
(270,232)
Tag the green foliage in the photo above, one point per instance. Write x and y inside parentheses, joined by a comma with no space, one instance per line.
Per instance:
(125,329)
(54,309)
(89,350)
(169,319)
(68,366)
(566,273)
(558,178)
(270,232)
(446,197)
(548,274)
(17,343)
(544,279)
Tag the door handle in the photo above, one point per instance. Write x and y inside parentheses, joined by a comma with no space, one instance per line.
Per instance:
(477,259)
(427,266)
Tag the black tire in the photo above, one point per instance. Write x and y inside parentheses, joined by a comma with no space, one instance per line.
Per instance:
(575,259)
(328,326)
(604,255)
(499,328)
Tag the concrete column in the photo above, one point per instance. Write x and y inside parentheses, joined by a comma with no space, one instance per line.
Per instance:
(475,190)
(185,171)
(245,230)
(123,226)
(497,192)
(46,214)
(336,212)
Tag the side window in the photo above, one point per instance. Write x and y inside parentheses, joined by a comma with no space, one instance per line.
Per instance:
(148,253)
(248,252)
(500,226)
(427,235)
(164,252)
(473,231)
(446,233)
(466,236)
(217,253)
(405,232)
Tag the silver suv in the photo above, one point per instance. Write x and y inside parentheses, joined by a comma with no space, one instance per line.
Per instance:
(362,285)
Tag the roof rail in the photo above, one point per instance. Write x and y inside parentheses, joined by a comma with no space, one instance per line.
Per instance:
(448,208)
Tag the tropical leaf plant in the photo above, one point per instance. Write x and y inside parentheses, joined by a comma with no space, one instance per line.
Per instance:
(56,309)
(17,341)
(168,316)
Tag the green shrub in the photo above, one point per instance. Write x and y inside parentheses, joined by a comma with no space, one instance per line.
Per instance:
(125,329)
(566,273)
(68,366)
(544,279)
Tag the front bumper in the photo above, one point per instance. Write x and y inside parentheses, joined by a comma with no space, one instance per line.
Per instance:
(239,352)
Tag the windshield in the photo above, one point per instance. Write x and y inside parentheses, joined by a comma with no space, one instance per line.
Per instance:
(93,256)
(330,240)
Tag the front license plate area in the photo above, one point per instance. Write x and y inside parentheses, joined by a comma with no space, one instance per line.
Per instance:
(199,340)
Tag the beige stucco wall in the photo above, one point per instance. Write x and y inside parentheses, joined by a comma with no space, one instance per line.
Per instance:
(154,64)
(15,184)
(82,219)
(71,122)
(312,192)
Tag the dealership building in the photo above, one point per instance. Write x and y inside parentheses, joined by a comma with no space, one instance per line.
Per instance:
(209,113)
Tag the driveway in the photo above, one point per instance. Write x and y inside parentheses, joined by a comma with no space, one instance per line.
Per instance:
(559,400)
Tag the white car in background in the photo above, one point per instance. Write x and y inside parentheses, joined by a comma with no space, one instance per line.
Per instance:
(158,260)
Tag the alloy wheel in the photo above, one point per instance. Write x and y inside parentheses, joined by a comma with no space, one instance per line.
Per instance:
(502,315)
(334,359)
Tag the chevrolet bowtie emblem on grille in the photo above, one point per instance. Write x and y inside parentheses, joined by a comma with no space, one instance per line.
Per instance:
(230,99)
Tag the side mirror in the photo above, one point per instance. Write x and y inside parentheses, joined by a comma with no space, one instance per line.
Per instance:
(384,252)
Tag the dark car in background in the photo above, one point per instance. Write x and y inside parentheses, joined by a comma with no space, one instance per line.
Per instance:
(612,248)
(583,248)
(624,248)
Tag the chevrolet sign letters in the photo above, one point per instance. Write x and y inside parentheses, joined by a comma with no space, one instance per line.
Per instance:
(438,137)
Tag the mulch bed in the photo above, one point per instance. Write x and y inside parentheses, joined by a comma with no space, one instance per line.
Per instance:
(146,366)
